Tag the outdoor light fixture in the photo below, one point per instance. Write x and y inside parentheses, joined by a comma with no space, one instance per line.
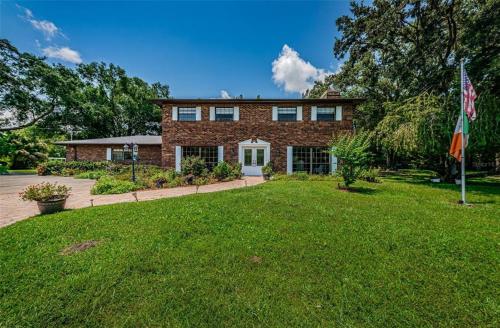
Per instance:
(135,151)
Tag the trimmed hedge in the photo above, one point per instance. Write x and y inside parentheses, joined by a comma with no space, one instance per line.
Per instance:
(72,167)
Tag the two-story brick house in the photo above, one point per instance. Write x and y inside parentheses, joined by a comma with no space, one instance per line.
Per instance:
(292,133)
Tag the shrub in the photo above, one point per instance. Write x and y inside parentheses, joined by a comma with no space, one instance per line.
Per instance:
(3,168)
(176,182)
(235,171)
(95,175)
(193,165)
(75,167)
(110,185)
(352,153)
(45,191)
(370,175)
(222,170)
(162,178)
(268,169)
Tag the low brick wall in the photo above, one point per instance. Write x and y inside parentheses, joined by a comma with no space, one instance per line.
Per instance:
(148,154)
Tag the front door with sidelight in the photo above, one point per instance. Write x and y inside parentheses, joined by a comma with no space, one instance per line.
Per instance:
(253,160)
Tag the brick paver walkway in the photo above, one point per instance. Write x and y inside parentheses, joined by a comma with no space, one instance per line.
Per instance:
(13,209)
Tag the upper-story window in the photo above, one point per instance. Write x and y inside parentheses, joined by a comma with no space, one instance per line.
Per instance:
(224,113)
(187,113)
(287,113)
(325,114)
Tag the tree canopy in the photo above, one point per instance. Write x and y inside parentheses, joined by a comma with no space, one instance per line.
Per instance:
(403,57)
(93,100)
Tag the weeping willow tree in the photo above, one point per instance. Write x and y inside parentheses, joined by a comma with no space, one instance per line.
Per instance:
(419,129)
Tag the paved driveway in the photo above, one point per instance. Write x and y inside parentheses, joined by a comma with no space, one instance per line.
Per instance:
(13,209)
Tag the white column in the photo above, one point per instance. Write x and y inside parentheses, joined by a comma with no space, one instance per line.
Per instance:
(178,158)
(299,113)
(289,159)
(236,113)
(314,113)
(108,154)
(275,113)
(220,153)
(338,113)
(174,113)
(212,113)
(198,113)
(333,160)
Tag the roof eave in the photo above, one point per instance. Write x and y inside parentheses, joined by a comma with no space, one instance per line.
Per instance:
(174,101)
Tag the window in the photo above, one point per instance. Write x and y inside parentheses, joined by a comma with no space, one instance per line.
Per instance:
(118,154)
(224,113)
(260,157)
(287,113)
(187,114)
(208,154)
(313,160)
(248,157)
(325,114)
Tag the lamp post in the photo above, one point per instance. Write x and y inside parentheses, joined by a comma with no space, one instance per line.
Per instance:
(135,150)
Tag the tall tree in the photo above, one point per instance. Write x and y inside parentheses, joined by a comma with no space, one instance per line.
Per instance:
(110,104)
(30,89)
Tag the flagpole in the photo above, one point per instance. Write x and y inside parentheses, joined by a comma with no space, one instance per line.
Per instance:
(463,125)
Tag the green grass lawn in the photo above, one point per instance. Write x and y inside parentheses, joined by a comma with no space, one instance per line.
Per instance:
(286,253)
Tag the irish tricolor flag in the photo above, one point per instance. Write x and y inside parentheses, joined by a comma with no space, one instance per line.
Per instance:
(456,142)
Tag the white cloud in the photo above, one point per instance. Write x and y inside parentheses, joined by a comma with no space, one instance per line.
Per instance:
(49,29)
(224,94)
(63,53)
(294,73)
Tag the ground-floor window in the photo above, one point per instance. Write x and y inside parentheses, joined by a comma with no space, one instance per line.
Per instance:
(313,160)
(208,154)
(119,154)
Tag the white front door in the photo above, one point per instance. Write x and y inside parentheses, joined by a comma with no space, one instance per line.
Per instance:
(253,160)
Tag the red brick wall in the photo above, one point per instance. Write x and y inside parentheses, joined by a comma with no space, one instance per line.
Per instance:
(255,122)
(148,154)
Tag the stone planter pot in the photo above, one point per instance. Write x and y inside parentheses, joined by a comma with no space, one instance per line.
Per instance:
(51,206)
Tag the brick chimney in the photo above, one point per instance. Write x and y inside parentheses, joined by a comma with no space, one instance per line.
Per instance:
(332,94)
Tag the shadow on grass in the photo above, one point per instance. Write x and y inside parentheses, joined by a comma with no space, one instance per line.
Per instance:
(360,190)
(481,185)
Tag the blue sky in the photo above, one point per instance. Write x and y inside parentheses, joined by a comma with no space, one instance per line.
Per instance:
(271,49)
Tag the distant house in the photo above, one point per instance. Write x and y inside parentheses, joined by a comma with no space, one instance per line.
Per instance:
(292,133)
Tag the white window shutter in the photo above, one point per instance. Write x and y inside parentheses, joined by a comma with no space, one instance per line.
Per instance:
(275,113)
(178,158)
(334,163)
(174,113)
(212,113)
(314,113)
(198,113)
(289,159)
(220,153)
(108,154)
(236,113)
(299,113)
(338,113)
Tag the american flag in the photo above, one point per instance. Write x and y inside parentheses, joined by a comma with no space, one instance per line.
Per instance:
(469,97)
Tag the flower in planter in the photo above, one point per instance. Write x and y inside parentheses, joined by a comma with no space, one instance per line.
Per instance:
(45,192)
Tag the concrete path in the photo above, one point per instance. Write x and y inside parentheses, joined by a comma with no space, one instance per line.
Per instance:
(13,209)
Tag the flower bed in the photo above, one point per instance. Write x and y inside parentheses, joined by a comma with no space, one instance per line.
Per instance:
(114,178)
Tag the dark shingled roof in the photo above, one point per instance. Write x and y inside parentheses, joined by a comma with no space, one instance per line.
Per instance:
(311,101)
(140,140)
